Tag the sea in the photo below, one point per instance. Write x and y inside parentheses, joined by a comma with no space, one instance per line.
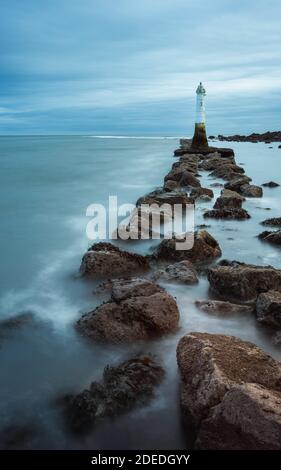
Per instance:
(46,185)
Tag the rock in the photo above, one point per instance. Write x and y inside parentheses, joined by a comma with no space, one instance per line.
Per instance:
(164,197)
(228,203)
(271,184)
(205,249)
(268,137)
(198,192)
(219,306)
(268,308)
(275,221)
(236,214)
(216,185)
(16,322)
(227,172)
(105,259)
(277,338)
(204,198)
(279,146)
(210,366)
(250,190)
(248,418)
(171,185)
(18,436)
(229,193)
(138,313)
(271,237)
(183,272)
(183,177)
(215,162)
(236,183)
(121,388)
(243,281)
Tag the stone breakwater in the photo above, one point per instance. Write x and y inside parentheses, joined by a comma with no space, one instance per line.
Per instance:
(268,137)
(231,390)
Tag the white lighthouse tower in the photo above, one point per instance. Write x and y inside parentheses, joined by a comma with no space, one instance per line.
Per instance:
(200,138)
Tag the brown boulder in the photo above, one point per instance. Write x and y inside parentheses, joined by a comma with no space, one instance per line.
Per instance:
(229,193)
(183,177)
(205,249)
(268,308)
(236,183)
(248,418)
(243,281)
(275,221)
(105,259)
(198,192)
(250,190)
(165,197)
(271,237)
(228,203)
(139,313)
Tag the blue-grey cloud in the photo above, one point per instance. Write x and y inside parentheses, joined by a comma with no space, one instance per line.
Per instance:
(122,66)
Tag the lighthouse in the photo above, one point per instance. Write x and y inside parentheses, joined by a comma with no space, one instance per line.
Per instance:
(200,138)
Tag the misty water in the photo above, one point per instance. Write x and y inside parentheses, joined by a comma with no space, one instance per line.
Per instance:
(46,185)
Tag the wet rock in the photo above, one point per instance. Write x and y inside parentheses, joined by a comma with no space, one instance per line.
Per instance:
(250,190)
(268,308)
(268,137)
(123,387)
(236,183)
(198,192)
(237,214)
(183,272)
(208,367)
(243,281)
(227,172)
(171,185)
(248,418)
(271,184)
(215,161)
(204,249)
(277,338)
(183,177)
(137,311)
(271,237)
(275,221)
(105,259)
(211,366)
(216,185)
(165,197)
(219,306)
(229,193)
(228,203)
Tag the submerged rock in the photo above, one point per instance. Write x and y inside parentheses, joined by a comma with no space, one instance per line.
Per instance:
(183,272)
(275,221)
(227,214)
(105,259)
(219,306)
(143,311)
(123,387)
(271,237)
(271,184)
(268,308)
(212,366)
(243,281)
(250,190)
(204,249)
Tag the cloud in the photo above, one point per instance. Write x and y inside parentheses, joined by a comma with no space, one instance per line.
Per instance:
(66,62)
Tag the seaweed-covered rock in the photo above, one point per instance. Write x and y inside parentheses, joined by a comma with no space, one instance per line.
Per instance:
(123,387)
(271,237)
(275,221)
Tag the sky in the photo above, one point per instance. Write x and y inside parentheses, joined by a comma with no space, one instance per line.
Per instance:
(131,67)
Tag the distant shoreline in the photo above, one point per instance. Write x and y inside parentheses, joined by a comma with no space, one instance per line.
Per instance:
(267,137)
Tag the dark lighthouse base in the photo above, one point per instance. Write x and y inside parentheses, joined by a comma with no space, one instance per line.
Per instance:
(200,141)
